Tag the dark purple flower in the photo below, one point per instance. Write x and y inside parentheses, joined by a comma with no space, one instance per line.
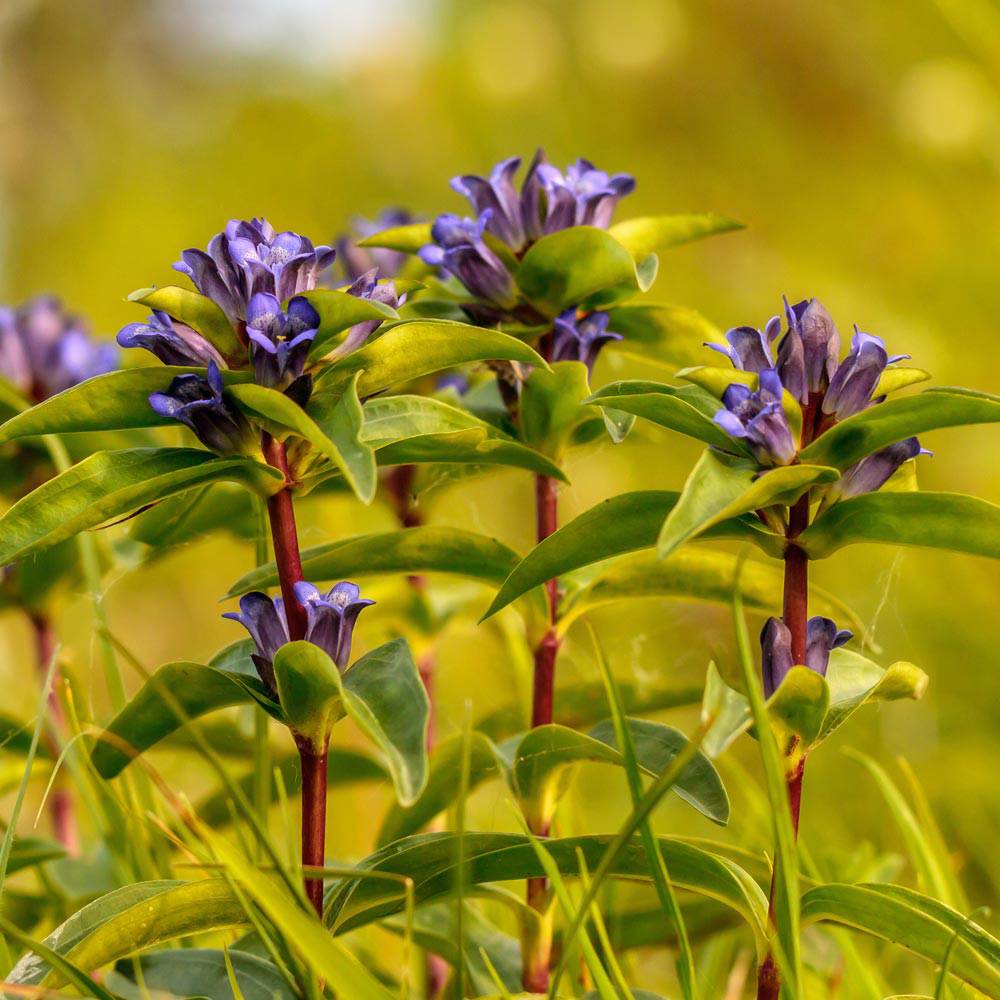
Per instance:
(173,342)
(44,350)
(249,258)
(498,196)
(822,636)
(356,261)
(459,249)
(759,419)
(583,196)
(874,471)
(198,402)
(853,383)
(264,618)
(332,617)
(810,351)
(748,348)
(366,286)
(280,341)
(581,339)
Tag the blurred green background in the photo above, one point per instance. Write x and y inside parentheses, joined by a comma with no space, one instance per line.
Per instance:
(860,142)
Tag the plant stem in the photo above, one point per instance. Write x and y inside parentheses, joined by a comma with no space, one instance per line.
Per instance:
(285,539)
(795,614)
(60,800)
(261,720)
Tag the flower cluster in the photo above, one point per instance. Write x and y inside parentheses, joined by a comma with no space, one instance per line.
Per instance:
(577,338)
(822,636)
(44,349)
(331,619)
(805,362)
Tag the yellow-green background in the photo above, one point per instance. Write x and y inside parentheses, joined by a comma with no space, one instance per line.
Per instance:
(860,141)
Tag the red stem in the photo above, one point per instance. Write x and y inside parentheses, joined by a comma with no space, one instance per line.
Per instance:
(313,817)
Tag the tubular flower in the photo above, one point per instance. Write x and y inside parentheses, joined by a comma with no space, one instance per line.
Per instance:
(356,261)
(198,402)
(874,471)
(44,350)
(759,419)
(332,617)
(366,286)
(249,258)
(280,341)
(581,339)
(583,196)
(822,636)
(264,618)
(809,351)
(853,383)
(749,349)
(173,342)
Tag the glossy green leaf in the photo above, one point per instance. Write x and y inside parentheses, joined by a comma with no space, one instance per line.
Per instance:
(183,518)
(722,487)
(199,312)
(620,524)
(29,852)
(852,439)
(669,335)
(116,401)
(405,239)
(130,919)
(895,378)
(688,410)
(337,439)
(917,923)
(656,233)
(550,406)
(931,520)
(202,972)
(422,347)
(429,859)
(113,484)
(565,267)
(193,688)
(309,691)
(337,312)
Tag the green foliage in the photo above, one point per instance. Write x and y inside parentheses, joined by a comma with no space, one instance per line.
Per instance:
(198,312)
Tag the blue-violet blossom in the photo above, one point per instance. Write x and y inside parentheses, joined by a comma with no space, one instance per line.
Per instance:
(173,342)
(279,340)
(759,419)
(576,339)
(822,636)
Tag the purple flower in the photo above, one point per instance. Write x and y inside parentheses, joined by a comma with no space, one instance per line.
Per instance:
(810,351)
(822,636)
(264,618)
(173,342)
(44,350)
(198,402)
(583,196)
(332,617)
(356,261)
(459,249)
(280,341)
(249,258)
(366,286)
(581,339)
(498,196)
(759,419)
(874,471)
(749,349)
(853,383)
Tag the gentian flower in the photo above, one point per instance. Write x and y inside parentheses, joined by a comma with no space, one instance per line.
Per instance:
(459,249)
(198,402)
(581,339)
(280,341)
(173,342)
(249,258)
(366,286)
(875,470)
(853,383)
(822,636)
(749,349)
(810,351)
(356,261)
(44,350)
(264,618)
(498,196)
(583,196)
(759,419)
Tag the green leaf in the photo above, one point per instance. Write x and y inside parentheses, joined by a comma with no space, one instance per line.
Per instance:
(29,852)
(384,695)
(113,484)
(150,716)
(199,312)
(798,709)
(309,691)
(405,239)
(564,268)
(422,347)
(620,524)
(715,381)
(337,312)
(429,860)
(670,335)
(656,233)
(202,972)
(722,487)
(895,378)
(116,401)
(339,418)
(854,438)
(931,520)
(688,410)
(130,919)
(921,925)
(550,406)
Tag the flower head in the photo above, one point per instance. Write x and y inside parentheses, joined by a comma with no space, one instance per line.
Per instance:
(759,419)
(582,196)
(810,350)
(198,402)
(851,387)
(44,350)
(264,618)
(875,470)
(749,349)
(173,342)
(581,339)
(279,340)
(250,258)
(356,261)
(822,636)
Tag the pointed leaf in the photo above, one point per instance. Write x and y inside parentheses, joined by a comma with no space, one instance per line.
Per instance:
(309,691)
(113,484)
(656,233)
(199,312)
(669,335)
(405,239)
(550,406)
